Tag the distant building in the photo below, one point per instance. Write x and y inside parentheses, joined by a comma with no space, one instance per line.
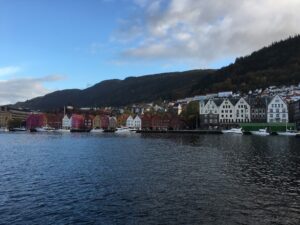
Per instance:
(88,122)
(5,116)
(242,111)
(77,122)
(97,122)
(112,122)
(66,122)
(294,113)
(277,110)
(258,110)
(137,123)
(209,112)
(54,120)
(129,122)
(36,121)
(227,113)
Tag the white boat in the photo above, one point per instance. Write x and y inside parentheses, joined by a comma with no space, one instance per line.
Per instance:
(233,131)
(45,129)
(18,129)
(97,130)
(261,132)
(123,130)
(62,130)
(3,129)
(288,133)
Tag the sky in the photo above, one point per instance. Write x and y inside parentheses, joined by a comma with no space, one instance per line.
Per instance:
(48,45)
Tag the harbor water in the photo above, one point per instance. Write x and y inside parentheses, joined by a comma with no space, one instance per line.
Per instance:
(148,179)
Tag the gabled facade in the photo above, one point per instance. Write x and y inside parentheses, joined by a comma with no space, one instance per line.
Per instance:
(77,122)
(137,123)
(258,110)
(242,111)
(97,122)
(209,112)
(66,122)
(36,121)
(112,122)
(88,122)
(129,122)
(227,112)
(277,110)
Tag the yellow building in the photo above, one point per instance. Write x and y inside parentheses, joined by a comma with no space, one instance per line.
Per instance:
(5,116)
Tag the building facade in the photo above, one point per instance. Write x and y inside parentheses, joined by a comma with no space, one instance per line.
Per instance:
(258,110)
(277,110)
(242,111)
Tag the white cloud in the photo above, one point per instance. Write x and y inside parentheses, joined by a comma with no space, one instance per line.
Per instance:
(206,31)
(9,70)
(21,89)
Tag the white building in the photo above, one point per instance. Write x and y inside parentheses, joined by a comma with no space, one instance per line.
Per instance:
(242,111)
(137,123)
(209,112)
(227,111)
(129,122)
(277,110)
(66,122)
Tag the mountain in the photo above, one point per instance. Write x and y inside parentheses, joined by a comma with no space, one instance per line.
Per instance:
(276,64)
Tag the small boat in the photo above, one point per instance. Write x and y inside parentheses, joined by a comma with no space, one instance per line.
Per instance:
(18,129)
(62,130)
(123,130)
(261,132)
(233,131)
(3,129)
(288,133)
(97,130)
(44,129)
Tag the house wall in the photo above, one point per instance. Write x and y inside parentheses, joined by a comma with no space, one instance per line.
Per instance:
(277,111)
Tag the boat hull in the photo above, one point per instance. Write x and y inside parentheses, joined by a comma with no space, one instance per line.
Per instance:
(287,134)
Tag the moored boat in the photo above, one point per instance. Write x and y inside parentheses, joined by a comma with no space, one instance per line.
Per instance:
(97,130)
(18,129)
(233,131)
(62,130)
(3,129)
(288,133)
(123,130)
(261,132)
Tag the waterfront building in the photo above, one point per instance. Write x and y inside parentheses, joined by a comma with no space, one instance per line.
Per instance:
(97,122)
(258,109)
(36,121)
(209,112)
(146,122)
(177,123)
(129,122)
(54,120)
(104,122)
(242,111)
(137,123)
(227,113)
(77,122)
(277,110)
(88,122)
(5,116)
(112,123)
(294,113)
(66,122)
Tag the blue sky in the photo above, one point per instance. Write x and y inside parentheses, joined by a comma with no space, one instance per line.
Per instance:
(46,45)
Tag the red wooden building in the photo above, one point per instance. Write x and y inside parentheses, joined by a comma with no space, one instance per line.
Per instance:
(36,120)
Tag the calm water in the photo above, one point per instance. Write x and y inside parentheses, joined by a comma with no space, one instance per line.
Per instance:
(152,179)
